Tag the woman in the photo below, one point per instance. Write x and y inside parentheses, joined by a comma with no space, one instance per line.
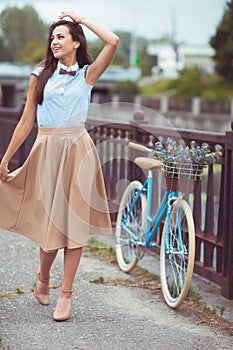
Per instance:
(58,197)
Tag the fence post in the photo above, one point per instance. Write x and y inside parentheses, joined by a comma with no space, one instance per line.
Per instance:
(164,104)
(227,256)
(231,108)
(138,118)
(196,106)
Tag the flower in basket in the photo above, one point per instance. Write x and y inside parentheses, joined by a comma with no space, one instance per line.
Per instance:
(173,151)
(185,161)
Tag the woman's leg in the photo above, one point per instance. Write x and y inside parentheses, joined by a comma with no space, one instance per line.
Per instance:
(71,262)
(41,291)
(46,261)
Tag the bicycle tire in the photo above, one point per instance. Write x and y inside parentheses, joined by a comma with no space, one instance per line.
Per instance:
(176,266)
(125,246)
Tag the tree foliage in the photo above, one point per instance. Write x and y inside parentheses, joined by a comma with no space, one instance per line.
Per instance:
(222,42)
(32,52)
(18,27)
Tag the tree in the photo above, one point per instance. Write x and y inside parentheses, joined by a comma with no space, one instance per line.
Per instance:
(222,42)
(32,52)
(17,28)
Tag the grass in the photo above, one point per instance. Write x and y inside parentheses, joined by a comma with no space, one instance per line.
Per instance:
(17,291)
(99,280)
(156,88)
(101,250)
(191,83)
(5,295)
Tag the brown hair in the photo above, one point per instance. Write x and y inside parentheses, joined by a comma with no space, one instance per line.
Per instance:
(49,63)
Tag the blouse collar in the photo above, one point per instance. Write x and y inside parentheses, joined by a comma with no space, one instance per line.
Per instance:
(68,69)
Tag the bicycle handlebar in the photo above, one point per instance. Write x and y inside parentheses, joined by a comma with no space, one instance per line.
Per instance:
(139,147)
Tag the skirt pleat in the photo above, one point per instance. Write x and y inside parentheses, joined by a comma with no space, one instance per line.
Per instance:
(57,198)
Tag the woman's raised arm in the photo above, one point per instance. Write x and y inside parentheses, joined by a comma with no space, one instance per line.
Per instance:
(106,55)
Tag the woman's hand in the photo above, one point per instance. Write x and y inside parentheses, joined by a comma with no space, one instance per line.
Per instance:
(73,15)
(3,171)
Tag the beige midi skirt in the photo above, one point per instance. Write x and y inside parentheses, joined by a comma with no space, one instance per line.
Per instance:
(57,198)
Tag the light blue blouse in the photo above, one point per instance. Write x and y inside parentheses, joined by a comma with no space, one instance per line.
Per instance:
(66,98)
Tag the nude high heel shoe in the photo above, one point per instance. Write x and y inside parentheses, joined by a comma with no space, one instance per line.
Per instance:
(41,291)
(63,307)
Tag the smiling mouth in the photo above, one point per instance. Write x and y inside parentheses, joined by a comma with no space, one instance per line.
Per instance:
(56,49)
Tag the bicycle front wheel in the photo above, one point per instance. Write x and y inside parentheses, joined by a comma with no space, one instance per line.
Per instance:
(130,226)
(177,253)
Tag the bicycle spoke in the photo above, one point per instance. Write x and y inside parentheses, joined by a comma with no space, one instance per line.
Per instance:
(177,255)
(129,230)
(178,273)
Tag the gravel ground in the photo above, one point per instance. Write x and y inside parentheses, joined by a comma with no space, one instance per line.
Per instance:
(104,316)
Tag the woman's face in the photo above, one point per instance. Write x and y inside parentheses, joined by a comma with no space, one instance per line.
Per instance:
(62,45)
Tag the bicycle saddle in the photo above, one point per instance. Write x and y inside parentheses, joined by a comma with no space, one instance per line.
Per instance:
(147,163)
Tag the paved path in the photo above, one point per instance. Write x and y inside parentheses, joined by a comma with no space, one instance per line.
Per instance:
(104,316)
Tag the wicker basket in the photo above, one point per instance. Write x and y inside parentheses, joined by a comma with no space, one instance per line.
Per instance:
(182,177)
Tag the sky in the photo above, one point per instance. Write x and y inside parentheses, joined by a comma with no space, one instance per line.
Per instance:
(191,21)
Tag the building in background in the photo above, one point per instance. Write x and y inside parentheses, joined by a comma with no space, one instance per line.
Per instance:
(170,59)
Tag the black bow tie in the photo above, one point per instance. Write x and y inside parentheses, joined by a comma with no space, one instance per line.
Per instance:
(63,71)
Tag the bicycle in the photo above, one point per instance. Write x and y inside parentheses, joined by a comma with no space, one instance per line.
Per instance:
(135,229)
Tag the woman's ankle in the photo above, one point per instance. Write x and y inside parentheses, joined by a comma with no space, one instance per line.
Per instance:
(44,277)
(66,293)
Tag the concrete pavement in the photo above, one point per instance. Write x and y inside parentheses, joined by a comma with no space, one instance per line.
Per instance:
(104,316)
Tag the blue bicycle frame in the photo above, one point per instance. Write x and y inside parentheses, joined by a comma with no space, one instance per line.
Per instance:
(157,218)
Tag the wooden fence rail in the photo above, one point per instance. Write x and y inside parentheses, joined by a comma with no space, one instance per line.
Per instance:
(211,205)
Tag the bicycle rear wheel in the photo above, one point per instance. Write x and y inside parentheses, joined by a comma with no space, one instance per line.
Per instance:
(177,253)
(133,217)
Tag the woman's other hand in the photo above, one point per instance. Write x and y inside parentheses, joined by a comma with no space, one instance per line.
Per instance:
(3,171)
(73,15)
